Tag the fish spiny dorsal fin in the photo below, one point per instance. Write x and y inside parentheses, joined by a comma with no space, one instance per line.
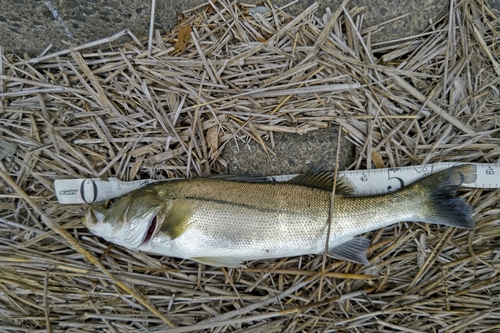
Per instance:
(323,181)
(241,178)
(176,219)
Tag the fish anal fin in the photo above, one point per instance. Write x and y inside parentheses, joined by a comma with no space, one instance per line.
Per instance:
(176,220)
(219,261)
(353,250)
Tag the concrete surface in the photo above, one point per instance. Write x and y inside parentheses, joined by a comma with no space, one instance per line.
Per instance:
(295,153)
(30,26)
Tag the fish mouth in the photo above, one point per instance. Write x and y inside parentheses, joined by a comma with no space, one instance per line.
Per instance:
(90,218)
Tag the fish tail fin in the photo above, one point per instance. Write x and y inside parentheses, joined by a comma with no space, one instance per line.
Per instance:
(441,203)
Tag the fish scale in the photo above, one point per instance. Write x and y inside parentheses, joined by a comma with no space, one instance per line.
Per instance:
(250,223)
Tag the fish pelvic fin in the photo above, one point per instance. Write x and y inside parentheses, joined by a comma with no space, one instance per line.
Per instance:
(441,203)
(353,250)
(218,261)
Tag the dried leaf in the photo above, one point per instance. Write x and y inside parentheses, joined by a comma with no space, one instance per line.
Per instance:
(212,137)
(377,160)
(182,39)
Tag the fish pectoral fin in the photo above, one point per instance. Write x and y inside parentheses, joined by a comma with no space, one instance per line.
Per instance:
(219,261)
(324,181)
(353,250)
(176,219)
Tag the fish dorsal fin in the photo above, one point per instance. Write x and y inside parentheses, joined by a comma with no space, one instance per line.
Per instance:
(323,181)
(353,250)
(177,218)
(242,178)
(344,186)
(219,261)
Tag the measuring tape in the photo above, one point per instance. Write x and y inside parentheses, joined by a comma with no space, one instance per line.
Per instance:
(365,182)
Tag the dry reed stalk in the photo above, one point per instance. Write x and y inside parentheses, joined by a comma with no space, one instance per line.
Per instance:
(157,108)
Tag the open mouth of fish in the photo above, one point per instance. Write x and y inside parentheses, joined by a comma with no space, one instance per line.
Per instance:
(90,217)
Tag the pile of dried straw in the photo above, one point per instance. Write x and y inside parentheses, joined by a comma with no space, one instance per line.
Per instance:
(166,106)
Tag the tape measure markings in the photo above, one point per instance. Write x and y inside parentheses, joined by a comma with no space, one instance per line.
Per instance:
(365,182)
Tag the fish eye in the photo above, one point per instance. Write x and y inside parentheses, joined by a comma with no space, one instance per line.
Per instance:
(108,204)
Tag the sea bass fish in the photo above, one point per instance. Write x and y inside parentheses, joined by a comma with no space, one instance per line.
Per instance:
(226,222)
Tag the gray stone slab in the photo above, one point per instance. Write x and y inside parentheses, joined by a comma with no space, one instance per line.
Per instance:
(315,150)
(7,149)
(30,26)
